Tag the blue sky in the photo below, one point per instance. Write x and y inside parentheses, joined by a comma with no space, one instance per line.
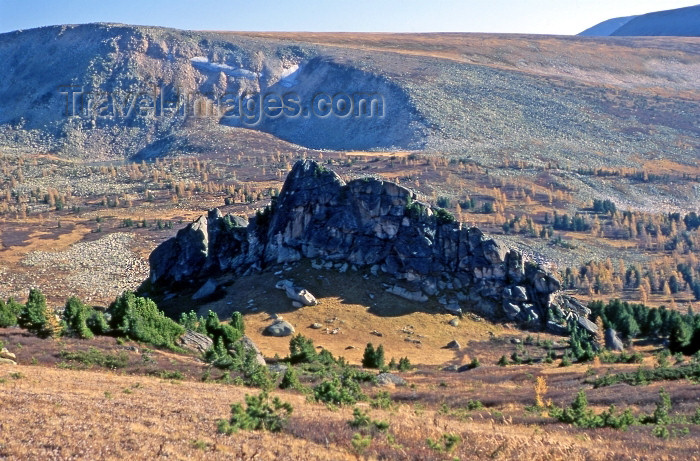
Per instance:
(511,16)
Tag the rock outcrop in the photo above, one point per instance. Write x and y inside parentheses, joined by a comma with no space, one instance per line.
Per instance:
(279,328)
(194,341)
(378,225)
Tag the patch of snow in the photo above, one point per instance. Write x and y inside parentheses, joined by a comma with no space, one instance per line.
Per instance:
(288,77)
(202,63)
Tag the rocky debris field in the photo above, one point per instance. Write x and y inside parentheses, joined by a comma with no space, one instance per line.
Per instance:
(98,270)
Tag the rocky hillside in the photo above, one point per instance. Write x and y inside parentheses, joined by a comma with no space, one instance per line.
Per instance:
(367,223)
(542,100)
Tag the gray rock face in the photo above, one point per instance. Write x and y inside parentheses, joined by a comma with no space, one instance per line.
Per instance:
(557,329)
(194,341)
(371,224)
(206,290)
(390,379)
(279,328)
(249,345)
(612,341)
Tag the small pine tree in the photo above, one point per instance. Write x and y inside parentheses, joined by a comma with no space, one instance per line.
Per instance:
(75,315)
(9,312)
(368,356)
(404,364)
(373,358)
(37,317)
(290,380)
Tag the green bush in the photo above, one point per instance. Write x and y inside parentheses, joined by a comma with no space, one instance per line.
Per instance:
(302,350)
(9,312)
(338,391)
(373,358)
(36,317)
(404,364)
(260,414)
(445,444)
(361,420)
(190,321)
(94,356)
(644,376)
(97,323)
(290,380)
(580,415)
(139,318)
(229,333)
(75,316)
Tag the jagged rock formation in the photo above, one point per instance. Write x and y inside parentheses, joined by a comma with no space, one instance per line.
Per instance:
(375,224)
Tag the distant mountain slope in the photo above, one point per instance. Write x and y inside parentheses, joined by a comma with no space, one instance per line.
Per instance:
(681,22)
(606,28)
(571,101)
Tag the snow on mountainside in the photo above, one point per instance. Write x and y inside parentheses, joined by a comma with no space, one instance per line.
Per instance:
(681,22)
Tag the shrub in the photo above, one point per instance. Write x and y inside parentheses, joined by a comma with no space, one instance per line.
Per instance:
(302,350)
(443,216)
(94,356)
(97,323)
(360,443)
(644,376)
(9,312)
(580,415)
(139,318)
(373,358)
(260,414)
(404,364)
(503,361)
(190,321)
(445,444)
(228,333)
(35,316)
(660,415)
(474,405)
(361,419)
(382,400)
(290,380)
(338,391)
(75,316)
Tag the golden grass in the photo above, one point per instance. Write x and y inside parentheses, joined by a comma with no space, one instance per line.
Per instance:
(50,413)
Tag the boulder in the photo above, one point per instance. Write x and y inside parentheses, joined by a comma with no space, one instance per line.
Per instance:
(557,329)
(511,310)
(296,294)
(519,293)
(277,367)
(453,308)
(316,326)
(5,354)
(454,322)
(390,379)
(453,345)
(194,341)
(613,341)
(206,290)
(279,328)
(249,345)
(587,324)
(401,292)
(7,362)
